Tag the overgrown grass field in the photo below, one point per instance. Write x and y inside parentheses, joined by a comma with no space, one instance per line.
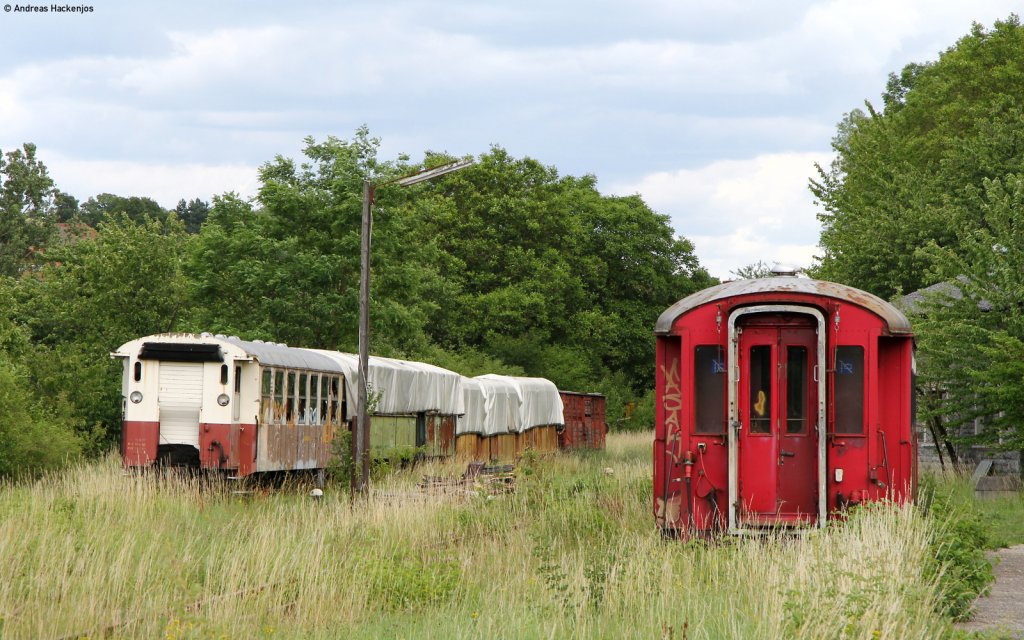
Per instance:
(572,552)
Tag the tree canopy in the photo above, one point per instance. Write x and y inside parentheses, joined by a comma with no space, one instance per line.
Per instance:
(928,191)
(505,267)
(913,172)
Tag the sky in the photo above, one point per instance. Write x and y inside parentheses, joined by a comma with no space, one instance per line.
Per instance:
(715,112)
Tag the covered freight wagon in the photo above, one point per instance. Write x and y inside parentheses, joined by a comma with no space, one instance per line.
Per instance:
(505,415)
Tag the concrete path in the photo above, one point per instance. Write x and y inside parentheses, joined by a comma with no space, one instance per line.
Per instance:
(1002,610)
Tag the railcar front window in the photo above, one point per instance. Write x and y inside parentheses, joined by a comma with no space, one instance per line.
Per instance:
(849,390)
(796,389)
(761,389)
(709,389)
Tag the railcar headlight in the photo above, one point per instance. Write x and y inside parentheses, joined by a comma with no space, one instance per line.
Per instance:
(223,399)
(135,397)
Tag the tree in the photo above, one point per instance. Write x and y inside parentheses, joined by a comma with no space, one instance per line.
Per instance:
(135,208)
(900,174)
(971,334)
(192,213)
(26,207)
(549,275)
(288,269)
(753,271)
(94,295)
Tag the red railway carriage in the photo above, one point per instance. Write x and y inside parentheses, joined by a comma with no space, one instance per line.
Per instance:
(585,426)
(780,402)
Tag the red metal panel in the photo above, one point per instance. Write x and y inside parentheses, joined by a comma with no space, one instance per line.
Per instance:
(247,438)
(218,446)
(139,442)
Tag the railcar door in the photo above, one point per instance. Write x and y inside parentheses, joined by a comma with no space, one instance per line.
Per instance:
(777,420)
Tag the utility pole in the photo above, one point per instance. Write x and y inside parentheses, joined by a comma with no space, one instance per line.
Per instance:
(361,439)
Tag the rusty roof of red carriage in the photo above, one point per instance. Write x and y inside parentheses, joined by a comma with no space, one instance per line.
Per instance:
(896,322)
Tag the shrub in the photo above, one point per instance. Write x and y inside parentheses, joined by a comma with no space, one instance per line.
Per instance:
(958,545)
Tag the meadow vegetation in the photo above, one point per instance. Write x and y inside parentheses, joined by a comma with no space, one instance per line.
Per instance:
(572,552)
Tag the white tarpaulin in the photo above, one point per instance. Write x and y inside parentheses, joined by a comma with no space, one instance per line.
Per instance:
(401,387)
(541,403)
(472,421)
(502,401)
(514,404)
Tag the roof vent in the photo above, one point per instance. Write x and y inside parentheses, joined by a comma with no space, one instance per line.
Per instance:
(785,270)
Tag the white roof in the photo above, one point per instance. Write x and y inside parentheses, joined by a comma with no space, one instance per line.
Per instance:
(541,403)
(513,404)
(403,386)
(266,353)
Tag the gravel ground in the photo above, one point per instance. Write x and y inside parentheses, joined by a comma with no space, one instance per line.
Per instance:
(1002,610)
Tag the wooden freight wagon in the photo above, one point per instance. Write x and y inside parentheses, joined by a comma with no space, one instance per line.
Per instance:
(585,426)
(506,415)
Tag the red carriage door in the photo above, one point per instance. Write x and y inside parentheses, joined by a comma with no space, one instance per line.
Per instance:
(777,419)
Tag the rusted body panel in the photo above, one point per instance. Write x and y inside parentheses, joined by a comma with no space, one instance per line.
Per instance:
(585,426)
(139,442)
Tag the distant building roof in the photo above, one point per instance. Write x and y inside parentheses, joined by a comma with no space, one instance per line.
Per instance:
(914,303)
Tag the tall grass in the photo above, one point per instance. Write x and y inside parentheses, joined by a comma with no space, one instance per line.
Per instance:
(571,553)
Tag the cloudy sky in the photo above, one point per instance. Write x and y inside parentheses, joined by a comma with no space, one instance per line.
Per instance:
(714,111)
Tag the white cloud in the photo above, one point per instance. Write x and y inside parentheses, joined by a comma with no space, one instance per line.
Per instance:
(740,211)
(165,183)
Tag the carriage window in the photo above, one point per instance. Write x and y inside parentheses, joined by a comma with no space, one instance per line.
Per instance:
(238,379)
(849,389)
(796,389)
(278,395)
(709,389)
(334,400)
(223,374)
(289,410)
(266,395)
(314,404)
(138,371)
(761,389)
(324,399)
(303,394)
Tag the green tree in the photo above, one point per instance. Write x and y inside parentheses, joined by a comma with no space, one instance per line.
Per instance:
(192,213)
(549,275)
(135,208)
(26,207)
(96,294)
(753,271)
(288,268)
(971,334)
(901,174)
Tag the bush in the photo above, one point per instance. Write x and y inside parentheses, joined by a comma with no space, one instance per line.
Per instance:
(33,437)
(958,545)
